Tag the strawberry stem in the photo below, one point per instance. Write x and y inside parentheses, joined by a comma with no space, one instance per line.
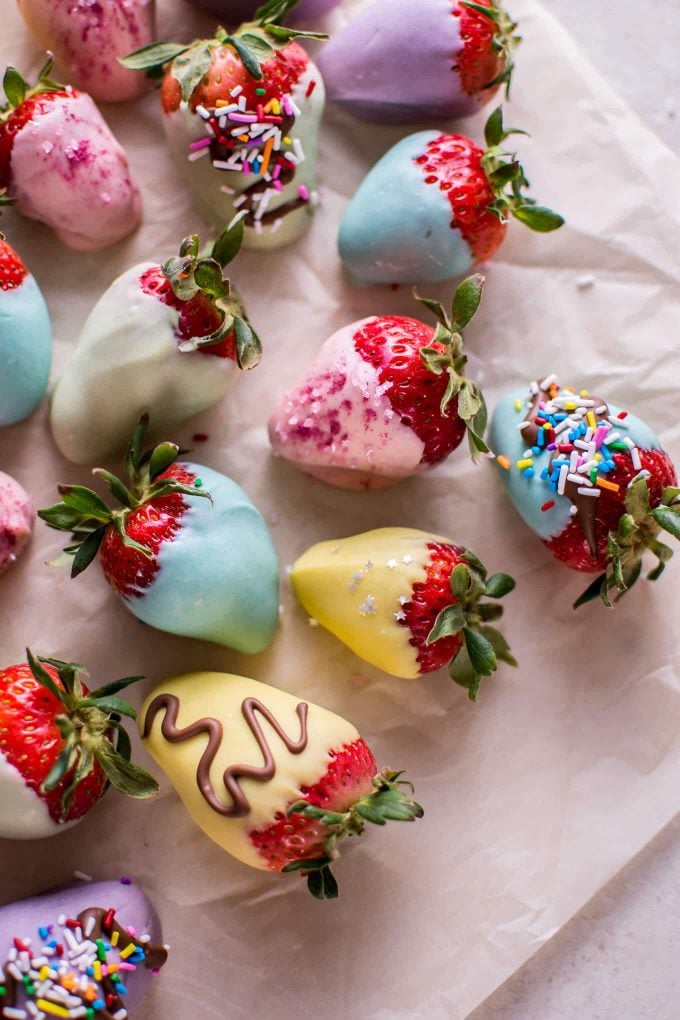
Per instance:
(17,89)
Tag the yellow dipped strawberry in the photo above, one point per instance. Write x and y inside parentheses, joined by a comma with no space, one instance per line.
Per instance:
(275,781)
(408,602)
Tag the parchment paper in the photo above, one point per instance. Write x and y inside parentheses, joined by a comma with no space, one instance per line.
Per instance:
(535,796)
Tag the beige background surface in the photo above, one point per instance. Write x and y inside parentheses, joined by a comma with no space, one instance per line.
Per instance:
(536,796)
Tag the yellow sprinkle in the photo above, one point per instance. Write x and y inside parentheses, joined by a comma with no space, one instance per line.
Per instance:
(598,456)
(547,426)
(604,484)
(114,938)
(276,106)
(524,463)
(287,140)
(570,406)
(97,968)
(592,420)
(52,1009)
(584,393)
(223,102)
(518,405)
(128,951)
(504,462)
(44,973)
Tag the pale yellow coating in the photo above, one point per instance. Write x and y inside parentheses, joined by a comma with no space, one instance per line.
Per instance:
(355,588)
(220,696)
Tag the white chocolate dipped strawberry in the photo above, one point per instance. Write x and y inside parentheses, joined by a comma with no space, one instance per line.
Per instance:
(276,781)
(62,165)
(385,398)
(408,602)
(164,340)
(241,113)
(87,38)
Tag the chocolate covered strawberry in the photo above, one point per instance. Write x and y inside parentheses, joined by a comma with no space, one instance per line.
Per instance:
(167,340)
(435,205)
(386,398)
(86,39)
(241,113)
(25,338)
(62,165)
(408,602)
(61,745)
(404,60)
(592,480)
(277,782)
(185,548)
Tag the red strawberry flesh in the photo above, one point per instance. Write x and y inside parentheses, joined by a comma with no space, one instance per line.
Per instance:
(31,741)
(453,164)
(348,778)
(428,598)
(29,110)
(478,62)
(12,270)
(393,344)
(197,317)
(128,571)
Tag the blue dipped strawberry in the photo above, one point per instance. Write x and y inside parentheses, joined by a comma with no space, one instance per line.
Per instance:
(435,205)
(25,339)
(591,480)
(403,60)
(185,550)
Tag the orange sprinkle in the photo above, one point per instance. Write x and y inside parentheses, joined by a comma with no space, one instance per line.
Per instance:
(223,102)
(605,484)
(243,138)
(504,462)
(266,156)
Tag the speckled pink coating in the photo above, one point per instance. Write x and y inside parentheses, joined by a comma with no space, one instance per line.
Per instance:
(338,424)
(16,520)
(86,36)
(69,171)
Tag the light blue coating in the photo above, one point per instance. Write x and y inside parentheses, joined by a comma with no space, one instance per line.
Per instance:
(529,494)
(397,228)
(25,350)
(219,577)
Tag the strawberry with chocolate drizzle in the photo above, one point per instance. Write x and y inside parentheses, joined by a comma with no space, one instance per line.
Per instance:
(167,340)
(61,164)
(408,602)
(435,205)
(278,783)
(592,481)
(61,746)
(241,112)
(185,549)
(399,61)
(386,398)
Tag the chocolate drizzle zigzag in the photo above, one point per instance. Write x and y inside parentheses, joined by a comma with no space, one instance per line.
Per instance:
(240,806)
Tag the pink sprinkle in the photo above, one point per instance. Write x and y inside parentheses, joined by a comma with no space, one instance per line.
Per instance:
(131,931)
(202,143)
(600,435)
(246,167)
(243,118)
(287,106)
(304,193)
(277,171)
(278,185)
(260,111)
(126,966)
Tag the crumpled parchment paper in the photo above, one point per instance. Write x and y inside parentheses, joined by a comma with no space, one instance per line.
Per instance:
(568,765)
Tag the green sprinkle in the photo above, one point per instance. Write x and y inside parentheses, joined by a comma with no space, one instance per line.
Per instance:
(3,990)
(90,1014)
(260,92)
(198,484)
(101,950)
(618,446)
(593,475)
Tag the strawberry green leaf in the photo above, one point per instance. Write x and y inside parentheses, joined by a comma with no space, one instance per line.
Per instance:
(466,301)
(42,676)
(499,645)
(322,884)
(248,346)
(592,592)
(189,66)
(116,488)
(656,573)
(435,308)
(257,44)
(110,704)
(162,457)
(286,35)
(115,686)
(129,543)
(123,743)
(125,776)
(85,501)
(274,10)
(249,59)
(60,516)
(87,551)
(493,129)
(463,673)
(62,766)
(448,623)
(14,87)
(670,495)
(480,650)
(469,401)
(490,611)
(189,246)
(499,585)
(228,244)
(152,56)
(637,499)
(134,450)
(460,580)
(538,218)
(208,278)
(668,518)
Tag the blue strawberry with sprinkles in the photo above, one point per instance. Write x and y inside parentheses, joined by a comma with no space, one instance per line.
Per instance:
(590,479)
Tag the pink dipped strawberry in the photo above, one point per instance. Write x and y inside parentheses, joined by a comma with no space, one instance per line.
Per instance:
(407,60)
(435,205)
(87,38)
(277,782)
(165,340)
(241,113)
(184,548)
(408,602)
(61,164)
(386,398)
(590,479)
(61,746)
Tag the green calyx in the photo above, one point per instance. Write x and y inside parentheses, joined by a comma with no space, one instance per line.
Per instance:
(92,729)
(638,530)
(387,802)
(508,181)
(5,200)
(86,515)
(471,406)
(468,616)
(505,40)
(254,41)
(17,89)
(190,274)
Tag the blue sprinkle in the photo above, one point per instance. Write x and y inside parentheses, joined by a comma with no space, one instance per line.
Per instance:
(541,437)
(121,989)
(43,932)
(98,1004)
(544,474)
(560,417)
(90,971)
(536,450)
(528,472)
(52,944)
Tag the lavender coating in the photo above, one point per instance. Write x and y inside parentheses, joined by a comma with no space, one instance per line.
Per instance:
(395,63)
(235,11)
